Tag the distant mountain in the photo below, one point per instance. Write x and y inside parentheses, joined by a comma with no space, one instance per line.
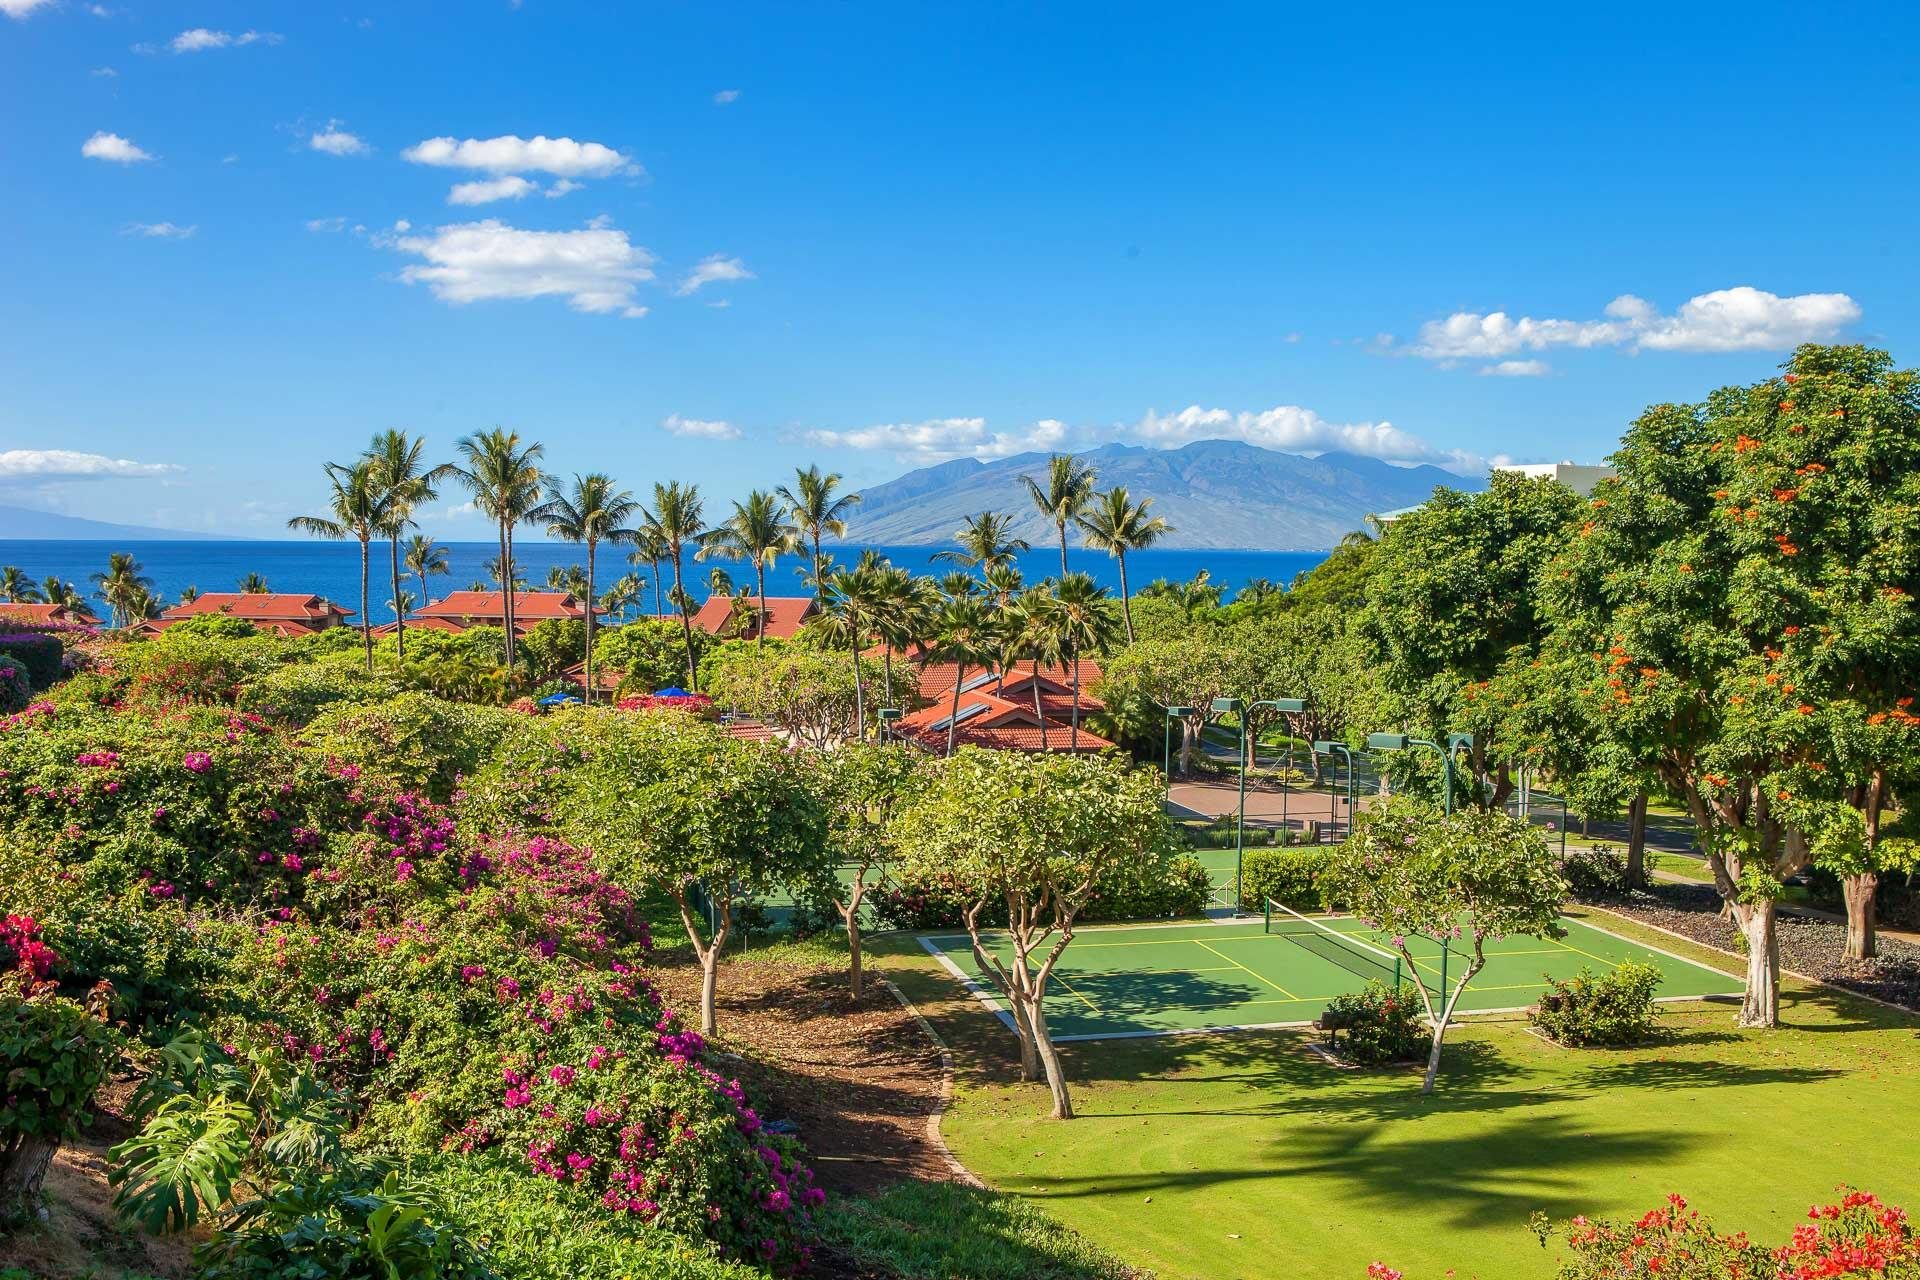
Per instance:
(1215,493)
(27,523)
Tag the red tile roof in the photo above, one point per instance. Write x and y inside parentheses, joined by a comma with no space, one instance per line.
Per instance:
(306,611)
(475,607)
(988,720)
(783,616)
(45,614)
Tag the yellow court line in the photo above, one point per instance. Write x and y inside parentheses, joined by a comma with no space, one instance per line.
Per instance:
(1236,964)
(1076,995)
(1085,974)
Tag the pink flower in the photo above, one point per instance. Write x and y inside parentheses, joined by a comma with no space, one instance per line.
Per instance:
(562,1076)
(196,762)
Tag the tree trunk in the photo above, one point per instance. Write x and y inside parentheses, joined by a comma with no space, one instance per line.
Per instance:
(1761,1007)
(851,914)
(586,694)
(953,716)
(366,623)
(1637,842)
(760,622)
(399,614)
(859,688)
(1063,548)
(1050,1060)
(23,1170)
(709,984)
(506,572)
(1189,740)
(1126,603)
(1862,915)
(686,623)
(1076,698)
(1038,714)
(659,609)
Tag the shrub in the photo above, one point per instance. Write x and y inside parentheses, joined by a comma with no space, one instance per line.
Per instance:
(41,654)
(218,626)
(1381,1025)
(345,1225)
(414,740)
(1289,875)
(946,1229)
(294,694)
(1596,872)
(1614,1008)
(1178,886)
(16,688)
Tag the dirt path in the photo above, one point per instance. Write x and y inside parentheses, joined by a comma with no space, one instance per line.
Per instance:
(858,1080)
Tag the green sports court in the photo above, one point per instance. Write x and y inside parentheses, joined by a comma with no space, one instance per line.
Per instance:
(1171,979)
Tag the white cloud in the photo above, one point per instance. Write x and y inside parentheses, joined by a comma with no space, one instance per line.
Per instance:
(564,186)
(1293,429)
(200,39)
(940,439)
(65,464)
(1737,319)
(717,268)
(1517,369)
(726,96)
(561,157)
(18,9)
(104,73)
(335,141)
(326,224)
(158,230)
(114,148)
(487,190)
(596,269)
(699,428)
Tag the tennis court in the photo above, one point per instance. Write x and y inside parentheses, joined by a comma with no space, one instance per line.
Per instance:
(1173,979)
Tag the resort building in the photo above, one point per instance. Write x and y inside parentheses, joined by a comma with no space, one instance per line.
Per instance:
(462,609)
(1583,478)
(47,615)
(996,710)
(737,616)
(286,613)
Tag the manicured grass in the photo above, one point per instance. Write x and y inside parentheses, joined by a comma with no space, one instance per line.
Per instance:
(1242,1155)
(955,1232)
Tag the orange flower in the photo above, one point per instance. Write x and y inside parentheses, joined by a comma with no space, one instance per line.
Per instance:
(1686,568)
(1720,495)
(1745,444)
(1785,495)
(1904,703)
(1786,404)
(1737,700)
(1804,709)
(1793,631)
(1599,502)
(1878,717)
(1838,413)
(1811,469)
(1586,530)
(1792,378)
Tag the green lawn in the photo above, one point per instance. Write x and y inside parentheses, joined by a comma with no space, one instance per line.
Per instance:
(1243,1155)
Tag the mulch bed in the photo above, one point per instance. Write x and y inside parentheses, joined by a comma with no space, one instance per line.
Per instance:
(859,1080)
(1808,944)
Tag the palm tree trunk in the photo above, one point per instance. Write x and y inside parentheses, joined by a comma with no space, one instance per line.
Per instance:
(1038,714)
(686,623)
(953,716)
(366,623)
(500,536)
(819,585)
(658,607)
(423,587)
(859,692)
(587,694)
(760,623)
(1126,604)
(1063,548)
(399,614)
(1076,697)
(506,572)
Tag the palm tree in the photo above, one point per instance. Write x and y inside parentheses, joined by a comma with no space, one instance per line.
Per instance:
(985,540)
(817,512)
(855,599)
(253,584)
(497,579)
(423,556)
(903,605)
(964,638)
(1036,633)
(621,595)
(1004,584)
(593,511)
(406,483)
(401,604)
(1115,524)
(1257,591)
(124,588)
(757,531)
(678,517)
(649,548)
(16,587)
(64,594)
(354,511)
(504,478)
(1083,624)
(189,593)
(1069,487)
(570,578)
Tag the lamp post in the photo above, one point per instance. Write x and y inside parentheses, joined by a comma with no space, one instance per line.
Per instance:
(1322,747)
(1166,750)
(1400,742)
(887,716)
(1234,706)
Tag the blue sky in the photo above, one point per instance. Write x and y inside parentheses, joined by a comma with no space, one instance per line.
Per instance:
(875,236)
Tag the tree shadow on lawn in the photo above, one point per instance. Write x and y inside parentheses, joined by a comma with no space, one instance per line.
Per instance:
(1490,1178)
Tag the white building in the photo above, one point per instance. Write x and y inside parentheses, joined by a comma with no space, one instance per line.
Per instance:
(1580,477)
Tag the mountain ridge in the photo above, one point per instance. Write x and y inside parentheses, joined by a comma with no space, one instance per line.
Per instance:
(1217,495)
(30,524)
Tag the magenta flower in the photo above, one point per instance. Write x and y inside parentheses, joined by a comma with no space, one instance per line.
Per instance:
(196,762)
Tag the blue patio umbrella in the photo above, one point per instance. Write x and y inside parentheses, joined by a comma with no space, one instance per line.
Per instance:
(671,691)
(558,699)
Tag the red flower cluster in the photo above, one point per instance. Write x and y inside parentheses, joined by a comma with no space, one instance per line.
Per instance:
(22,949)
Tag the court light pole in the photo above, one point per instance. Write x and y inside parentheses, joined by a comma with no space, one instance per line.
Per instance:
(1235,707)
(1166,752)
(1400,742)
(887,716)
(1323,747)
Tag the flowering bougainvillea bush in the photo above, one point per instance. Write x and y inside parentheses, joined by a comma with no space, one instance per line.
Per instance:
(16,687)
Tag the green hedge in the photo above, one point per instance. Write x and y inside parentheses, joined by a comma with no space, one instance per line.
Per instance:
(40,655)
(1288,874)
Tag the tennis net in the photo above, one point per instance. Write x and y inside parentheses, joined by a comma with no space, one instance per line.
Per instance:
(1349,953)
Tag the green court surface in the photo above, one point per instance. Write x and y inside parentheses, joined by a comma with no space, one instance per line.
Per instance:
(1146,980)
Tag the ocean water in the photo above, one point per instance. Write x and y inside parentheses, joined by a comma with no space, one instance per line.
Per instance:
(332,569)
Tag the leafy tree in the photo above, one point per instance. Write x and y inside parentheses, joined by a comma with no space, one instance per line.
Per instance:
(1116,524)
(1065,495)
(647,652)
(593,511)
(803,691)
(1314,656)
(1413,872)
(504,477)
(665,799)
(1339,581)
(861,788)
(1035,833)
(1190,671)
(1451,595)
(550,646)
(1738,611)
